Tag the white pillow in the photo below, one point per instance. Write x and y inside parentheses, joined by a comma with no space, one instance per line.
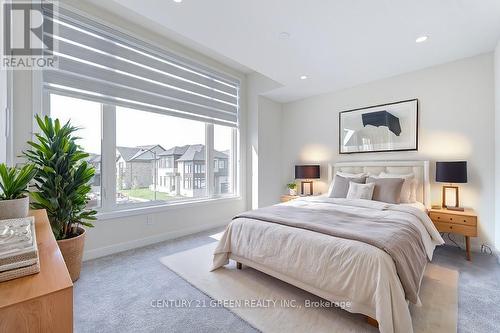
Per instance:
(414,187)
(351,175)
(360,191)
(345,175)
(409,189)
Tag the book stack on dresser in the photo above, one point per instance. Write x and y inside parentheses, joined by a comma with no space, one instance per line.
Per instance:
(18,248)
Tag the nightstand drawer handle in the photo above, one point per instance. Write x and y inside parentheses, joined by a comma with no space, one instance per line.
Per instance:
(451,218)
(439,217)
(451,227)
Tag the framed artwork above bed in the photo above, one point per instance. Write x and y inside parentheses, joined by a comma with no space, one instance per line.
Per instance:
(379,128)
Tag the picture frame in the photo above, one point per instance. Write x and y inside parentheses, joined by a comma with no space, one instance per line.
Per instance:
(386,127)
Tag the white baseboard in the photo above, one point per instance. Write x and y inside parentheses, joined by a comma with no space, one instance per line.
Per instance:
(137,243)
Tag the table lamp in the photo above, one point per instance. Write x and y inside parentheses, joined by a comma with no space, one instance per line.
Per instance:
(306,173)
(452,173)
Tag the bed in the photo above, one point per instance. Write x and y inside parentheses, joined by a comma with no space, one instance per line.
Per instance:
(359,272)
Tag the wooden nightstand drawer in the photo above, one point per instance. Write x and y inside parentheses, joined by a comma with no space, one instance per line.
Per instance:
(456,228)
(285,198)
(449,218)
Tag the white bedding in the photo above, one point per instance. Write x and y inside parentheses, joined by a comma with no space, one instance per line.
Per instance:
(416,204)
(337,269)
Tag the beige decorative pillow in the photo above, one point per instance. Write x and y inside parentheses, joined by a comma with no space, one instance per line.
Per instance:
(360,191)
(386,189)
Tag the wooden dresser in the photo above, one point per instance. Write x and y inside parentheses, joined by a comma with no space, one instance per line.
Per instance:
(41,302)
(451,221)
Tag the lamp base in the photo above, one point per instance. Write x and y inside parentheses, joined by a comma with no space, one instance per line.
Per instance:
(455,192)
(458,209)
(302,189)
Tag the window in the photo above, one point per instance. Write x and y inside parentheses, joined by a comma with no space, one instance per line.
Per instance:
(162,163)
(169,162)
(151,119)
(197,183)
(199,168)
(188,184)
(87,116)
(143,138)
(224,153)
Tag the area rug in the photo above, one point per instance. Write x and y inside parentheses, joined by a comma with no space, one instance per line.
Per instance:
(271,305)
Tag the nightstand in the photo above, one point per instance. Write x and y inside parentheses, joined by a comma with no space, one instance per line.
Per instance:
(286,197)
(463,223)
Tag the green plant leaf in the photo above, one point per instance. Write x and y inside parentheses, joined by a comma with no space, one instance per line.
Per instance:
(87,224)
(63,177)
(14,182)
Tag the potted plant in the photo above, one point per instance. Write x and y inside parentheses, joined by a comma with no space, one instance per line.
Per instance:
(62,187)
(14,202)
(292,188)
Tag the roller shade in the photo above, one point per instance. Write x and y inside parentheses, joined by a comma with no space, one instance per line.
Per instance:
(105,65)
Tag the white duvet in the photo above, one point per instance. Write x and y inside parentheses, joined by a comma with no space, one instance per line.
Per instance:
(337,269)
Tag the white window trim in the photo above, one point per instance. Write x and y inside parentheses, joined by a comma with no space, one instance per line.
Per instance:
(108,158)
(164,207)
(9,116)
(209,151)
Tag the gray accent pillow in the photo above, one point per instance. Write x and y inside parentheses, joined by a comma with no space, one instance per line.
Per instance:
(387,189)
(341,185)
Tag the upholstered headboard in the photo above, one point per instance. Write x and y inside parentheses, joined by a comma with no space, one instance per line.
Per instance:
(419,168)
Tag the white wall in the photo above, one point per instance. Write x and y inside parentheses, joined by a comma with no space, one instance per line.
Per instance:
(270,147)
(114,233)
(264,138)
(456,122)
(497,145)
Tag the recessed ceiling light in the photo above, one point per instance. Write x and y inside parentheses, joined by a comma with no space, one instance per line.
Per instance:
(284,35)
(421,39)
(303,77)
(178,1)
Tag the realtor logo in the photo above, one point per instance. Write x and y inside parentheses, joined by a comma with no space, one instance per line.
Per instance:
(24,26)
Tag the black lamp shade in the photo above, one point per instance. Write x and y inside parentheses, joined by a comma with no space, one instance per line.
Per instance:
(451,172)
(306,171)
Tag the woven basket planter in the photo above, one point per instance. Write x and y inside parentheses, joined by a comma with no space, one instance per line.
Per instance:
(72,251)
(13,209)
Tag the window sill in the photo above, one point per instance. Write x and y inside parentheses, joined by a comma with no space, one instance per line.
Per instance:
(159,208)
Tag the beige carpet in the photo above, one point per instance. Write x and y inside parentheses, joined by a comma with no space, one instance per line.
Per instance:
(231,288)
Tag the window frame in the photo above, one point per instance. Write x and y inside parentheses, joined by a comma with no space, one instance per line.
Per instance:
(108,205)
(112,210)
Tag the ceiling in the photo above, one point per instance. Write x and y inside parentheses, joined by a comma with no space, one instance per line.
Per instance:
(336,43)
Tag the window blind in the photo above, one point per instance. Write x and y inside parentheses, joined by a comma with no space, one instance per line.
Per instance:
(102,64)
